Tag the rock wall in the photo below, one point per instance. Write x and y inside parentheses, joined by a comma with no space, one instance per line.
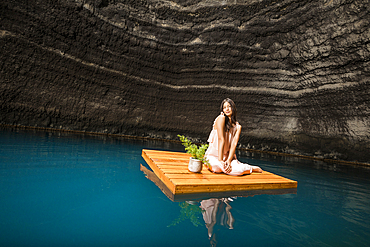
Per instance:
(297,70)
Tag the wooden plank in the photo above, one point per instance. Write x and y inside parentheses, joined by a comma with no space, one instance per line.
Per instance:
(170,165)
(185,181)
(201,195)
(226,188)
(190,175)
(158,172)
(172,170)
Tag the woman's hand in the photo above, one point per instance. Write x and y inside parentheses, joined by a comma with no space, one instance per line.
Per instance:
(227,166)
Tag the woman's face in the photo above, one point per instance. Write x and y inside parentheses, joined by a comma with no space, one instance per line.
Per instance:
(227,109)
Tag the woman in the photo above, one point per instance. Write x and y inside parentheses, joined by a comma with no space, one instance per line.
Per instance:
(222,143)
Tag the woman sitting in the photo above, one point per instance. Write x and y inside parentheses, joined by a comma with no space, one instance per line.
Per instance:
(222,143)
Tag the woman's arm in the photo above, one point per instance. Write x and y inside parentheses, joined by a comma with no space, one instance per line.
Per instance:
(234,143)
(220,127)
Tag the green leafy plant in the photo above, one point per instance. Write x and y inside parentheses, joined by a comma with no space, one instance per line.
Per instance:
(195,151)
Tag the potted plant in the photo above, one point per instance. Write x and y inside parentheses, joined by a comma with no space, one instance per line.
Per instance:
(197,154)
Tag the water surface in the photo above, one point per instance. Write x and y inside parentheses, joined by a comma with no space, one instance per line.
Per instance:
(60,189)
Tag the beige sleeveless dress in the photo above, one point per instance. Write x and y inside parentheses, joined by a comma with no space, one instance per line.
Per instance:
(211,155)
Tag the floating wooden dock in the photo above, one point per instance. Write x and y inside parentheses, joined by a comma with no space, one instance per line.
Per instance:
(171,168)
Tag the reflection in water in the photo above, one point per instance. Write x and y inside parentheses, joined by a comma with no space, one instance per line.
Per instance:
(189,210)
(216,212)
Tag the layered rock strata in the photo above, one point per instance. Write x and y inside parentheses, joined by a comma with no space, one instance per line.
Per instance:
(298,70)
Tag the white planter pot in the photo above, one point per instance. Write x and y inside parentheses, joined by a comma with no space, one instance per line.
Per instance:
(195,165)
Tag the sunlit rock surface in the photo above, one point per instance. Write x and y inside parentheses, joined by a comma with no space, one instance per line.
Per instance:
(298,70)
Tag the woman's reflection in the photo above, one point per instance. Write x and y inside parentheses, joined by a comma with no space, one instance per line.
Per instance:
(216,212)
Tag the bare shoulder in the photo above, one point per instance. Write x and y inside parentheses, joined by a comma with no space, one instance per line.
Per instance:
(238,126)
(220,122)
(220,118)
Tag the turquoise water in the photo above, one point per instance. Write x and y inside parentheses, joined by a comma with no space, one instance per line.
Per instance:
(60,189)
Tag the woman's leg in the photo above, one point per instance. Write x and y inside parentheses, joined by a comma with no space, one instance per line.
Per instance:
(239,168)
(214,163)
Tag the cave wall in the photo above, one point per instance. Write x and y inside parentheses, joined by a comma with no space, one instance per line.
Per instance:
(297,70)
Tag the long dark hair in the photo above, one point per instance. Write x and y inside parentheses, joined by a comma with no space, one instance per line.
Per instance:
(228,125)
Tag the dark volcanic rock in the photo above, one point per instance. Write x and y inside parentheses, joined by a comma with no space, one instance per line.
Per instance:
(297,70)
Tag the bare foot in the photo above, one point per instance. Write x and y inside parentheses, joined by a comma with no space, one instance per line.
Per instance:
(259,170)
